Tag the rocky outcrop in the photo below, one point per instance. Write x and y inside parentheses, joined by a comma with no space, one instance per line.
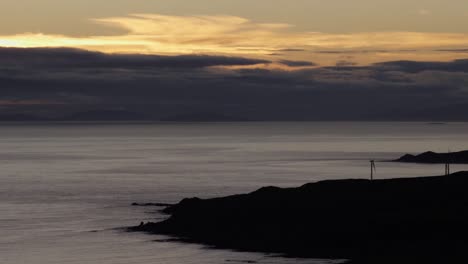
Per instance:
(412,220)
(436,158)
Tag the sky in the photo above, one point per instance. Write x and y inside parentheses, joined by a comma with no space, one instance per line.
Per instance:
(358,55)
(383,30)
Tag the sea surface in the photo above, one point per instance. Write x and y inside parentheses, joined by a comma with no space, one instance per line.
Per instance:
(66,189)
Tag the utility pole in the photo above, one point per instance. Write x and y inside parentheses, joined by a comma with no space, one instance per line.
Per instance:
(372,169)
(447,164)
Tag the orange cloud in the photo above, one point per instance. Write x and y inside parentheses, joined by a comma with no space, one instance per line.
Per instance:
(162,34)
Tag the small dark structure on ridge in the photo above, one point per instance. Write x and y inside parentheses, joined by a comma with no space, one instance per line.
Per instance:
(447,166)
(373,169)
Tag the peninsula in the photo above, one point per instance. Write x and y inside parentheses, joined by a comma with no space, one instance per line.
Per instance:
(407,220)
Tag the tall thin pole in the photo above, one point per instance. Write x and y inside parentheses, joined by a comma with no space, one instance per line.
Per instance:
(447,164)
(372,168)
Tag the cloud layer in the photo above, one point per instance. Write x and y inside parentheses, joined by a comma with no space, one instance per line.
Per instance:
(236,36)
(55,82)
(75,58)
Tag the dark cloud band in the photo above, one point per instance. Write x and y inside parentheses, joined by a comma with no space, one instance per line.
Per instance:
(164,86)
(74,58)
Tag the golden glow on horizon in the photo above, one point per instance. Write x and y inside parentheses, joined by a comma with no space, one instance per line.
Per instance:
(231,35)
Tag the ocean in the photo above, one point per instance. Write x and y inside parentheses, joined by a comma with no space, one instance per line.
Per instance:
(66,189)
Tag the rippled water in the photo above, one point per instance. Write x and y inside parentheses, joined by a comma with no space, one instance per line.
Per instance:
(66,189)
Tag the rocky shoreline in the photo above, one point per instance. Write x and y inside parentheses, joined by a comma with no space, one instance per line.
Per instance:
(408,220)
(430,157)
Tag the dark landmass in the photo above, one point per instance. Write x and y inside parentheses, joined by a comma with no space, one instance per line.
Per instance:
(88,116)
(436,114)
(21,118)
(106,115)
(437,123)
(102,115)
(409,220)
(204,117)
(436,158)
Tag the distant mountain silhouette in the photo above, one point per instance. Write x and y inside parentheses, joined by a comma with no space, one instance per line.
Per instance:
(106,115)
(435,158)
(123,115)
(204,117)
(20,118)
(412,220)
(456,112)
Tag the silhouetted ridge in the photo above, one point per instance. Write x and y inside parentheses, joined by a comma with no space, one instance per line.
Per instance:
(107,115)
(411,220)
(204,117)
(432,157)
(20,118)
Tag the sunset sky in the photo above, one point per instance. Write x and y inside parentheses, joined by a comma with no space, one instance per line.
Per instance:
(361,31)
(318,50)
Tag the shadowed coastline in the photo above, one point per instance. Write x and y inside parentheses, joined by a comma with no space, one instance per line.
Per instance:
(430,157)
(407,220)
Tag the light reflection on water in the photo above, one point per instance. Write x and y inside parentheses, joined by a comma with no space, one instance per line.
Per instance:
(65,188)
